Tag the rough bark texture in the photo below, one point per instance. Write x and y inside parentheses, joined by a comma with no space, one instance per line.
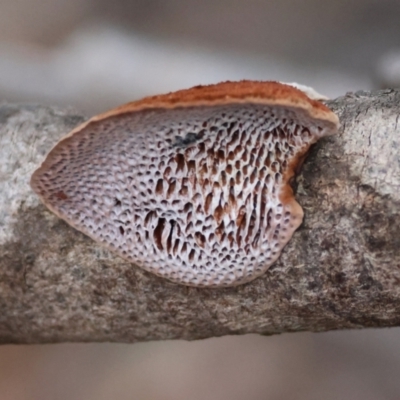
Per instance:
(340,270)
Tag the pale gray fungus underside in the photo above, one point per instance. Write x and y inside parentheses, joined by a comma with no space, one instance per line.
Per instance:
(197,195)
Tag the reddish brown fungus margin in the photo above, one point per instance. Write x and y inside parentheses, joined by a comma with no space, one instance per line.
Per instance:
(191,185)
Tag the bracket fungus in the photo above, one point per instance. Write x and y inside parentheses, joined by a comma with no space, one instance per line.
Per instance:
(192,185)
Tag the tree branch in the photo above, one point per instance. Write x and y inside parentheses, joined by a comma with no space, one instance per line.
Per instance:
(340,270)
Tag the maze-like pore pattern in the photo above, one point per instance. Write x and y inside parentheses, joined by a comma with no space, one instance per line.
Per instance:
(197,195)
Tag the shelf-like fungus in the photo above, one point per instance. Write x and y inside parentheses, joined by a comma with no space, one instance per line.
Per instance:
(192,185)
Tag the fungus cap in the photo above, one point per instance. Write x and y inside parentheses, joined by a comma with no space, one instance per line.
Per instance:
(191,185)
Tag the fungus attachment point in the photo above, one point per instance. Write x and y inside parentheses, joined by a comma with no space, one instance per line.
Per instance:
(192,185)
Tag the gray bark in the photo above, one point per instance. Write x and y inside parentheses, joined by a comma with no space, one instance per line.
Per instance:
(340,270)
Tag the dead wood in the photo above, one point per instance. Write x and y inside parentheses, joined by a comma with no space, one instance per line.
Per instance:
(340,270)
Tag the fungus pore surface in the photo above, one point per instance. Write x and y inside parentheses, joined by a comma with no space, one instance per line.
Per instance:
(192,186)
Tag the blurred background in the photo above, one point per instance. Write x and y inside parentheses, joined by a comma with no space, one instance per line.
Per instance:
(95,54)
